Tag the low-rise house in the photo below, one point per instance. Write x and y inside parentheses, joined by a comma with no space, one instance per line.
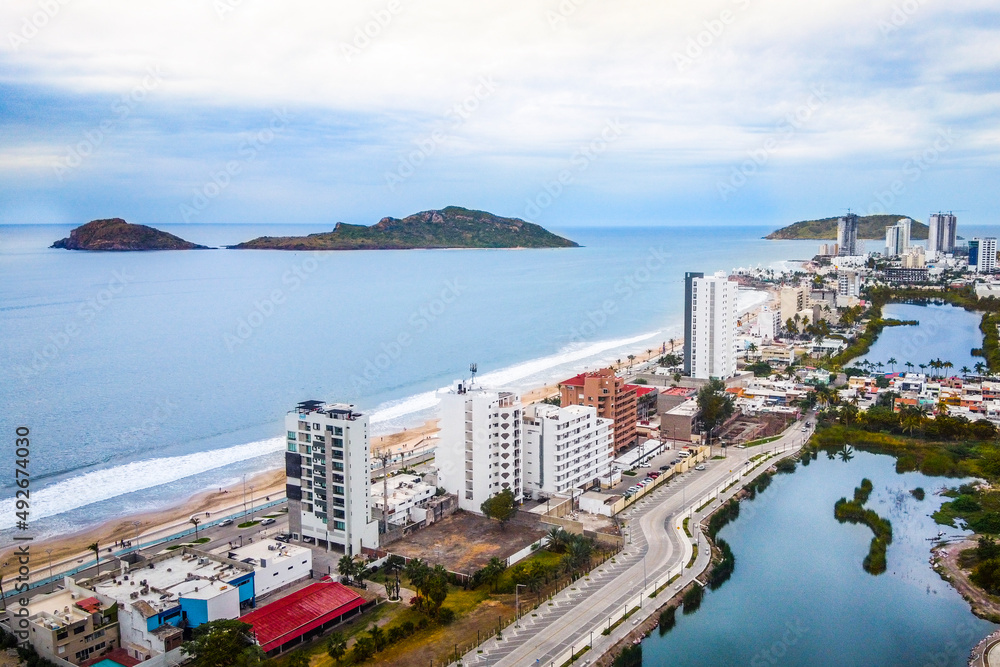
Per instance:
(276,565)
(71,625)
(405,493)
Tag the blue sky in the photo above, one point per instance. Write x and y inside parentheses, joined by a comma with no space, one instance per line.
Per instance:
(569,112)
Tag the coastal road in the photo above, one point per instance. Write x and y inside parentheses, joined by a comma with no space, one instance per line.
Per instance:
(656,549)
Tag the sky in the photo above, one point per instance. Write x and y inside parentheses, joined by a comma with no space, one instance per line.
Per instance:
(562,112)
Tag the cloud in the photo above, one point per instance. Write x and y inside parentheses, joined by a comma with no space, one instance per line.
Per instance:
(698,86)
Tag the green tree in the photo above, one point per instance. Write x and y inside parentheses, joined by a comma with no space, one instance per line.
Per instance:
(491,574)
(364,649)
(223,643)
(336,646)
(714,404)
(393,566)
(501,507)
(196,521)
(298,659)
(377,635)
(96,548)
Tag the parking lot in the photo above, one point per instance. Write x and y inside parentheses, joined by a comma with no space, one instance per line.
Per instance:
(663,463)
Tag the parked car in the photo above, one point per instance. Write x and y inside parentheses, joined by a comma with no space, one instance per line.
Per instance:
(654,475)
(633,489)
(664,468)
(648,480)
(684,455)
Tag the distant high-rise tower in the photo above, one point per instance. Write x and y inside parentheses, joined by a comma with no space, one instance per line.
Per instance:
(941,235)
(688,287)
(847,235)
(897,238)
(711,336)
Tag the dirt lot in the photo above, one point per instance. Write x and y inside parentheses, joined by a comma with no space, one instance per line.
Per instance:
(465,542)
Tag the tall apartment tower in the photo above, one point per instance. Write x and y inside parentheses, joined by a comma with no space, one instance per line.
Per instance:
(983,254)
(613,399)
(847,235)
(480,451)
(712,333)
(689,279)
(897,238)
(565,449)
(942,233)
(329,476)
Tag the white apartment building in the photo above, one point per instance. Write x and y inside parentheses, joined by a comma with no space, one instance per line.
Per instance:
(766,326)
(897,238)
(712,335)
(275,564)
(848,283)
(983,254)
(565,448)
(395,496)
(479,452)
(329,479)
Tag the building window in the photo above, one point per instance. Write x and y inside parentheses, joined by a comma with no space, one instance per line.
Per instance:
(339,525)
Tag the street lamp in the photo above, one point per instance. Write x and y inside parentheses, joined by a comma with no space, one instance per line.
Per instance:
(517,604)
(49,553)
(136,525)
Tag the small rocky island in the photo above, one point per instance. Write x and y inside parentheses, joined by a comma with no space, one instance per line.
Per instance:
(451,227)
(869,227)
(116,234)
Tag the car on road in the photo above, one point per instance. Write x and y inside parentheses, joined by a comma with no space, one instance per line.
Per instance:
(226,522)
(741,446)
(266,522)
(809,423)
(700,467)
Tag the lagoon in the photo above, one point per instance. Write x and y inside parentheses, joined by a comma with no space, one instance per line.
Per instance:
(945,332)
(799,595)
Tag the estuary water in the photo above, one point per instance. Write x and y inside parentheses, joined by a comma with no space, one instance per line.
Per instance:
(147,377)
(945,332)
(799,596)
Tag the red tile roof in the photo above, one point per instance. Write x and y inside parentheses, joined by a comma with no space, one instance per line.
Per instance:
(640,390)
(575,381)
(292,616)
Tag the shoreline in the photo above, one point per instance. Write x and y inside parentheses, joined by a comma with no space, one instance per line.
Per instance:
(70,550)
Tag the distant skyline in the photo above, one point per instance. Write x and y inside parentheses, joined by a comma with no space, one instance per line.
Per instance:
(566,113)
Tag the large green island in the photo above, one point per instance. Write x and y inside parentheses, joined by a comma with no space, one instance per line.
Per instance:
(869,227)
(451,227)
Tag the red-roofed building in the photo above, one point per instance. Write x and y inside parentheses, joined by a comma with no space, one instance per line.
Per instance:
(610,395)
(302,615)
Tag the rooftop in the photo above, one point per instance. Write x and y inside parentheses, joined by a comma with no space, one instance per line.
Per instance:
(62,607)
(158,583)
(271,550)
(688,408)
(331,410)
(292,616)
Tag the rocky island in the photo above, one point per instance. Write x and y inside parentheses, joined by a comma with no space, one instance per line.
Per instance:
(116,234)
(869,227)
(451,227)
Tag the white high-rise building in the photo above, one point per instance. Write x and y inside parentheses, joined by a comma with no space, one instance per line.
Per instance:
(712,332)
(897,238)
(983,254)
(329,476)
(848,283)
(480,451)
(767,325)
(565,448)
(941,234)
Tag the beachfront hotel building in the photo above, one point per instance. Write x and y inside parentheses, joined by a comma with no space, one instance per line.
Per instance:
(710,339)
(565,449)
(480,452)
(983,254)
(611,396)
(847,235)
(328,477)
(941,234)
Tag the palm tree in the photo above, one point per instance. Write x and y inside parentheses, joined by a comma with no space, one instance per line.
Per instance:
(980,368)
(393,566)
(671,346)
(378,637)
(892,364)
(948,365)
(95,547)
(923,368)
(336,646)
(909,365)
(964,370)
(195,520)
(347,567)
(631,358)
(557,539)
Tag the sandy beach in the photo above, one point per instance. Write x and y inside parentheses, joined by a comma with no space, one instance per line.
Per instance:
(70,551)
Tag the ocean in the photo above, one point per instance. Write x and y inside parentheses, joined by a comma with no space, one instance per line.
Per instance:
(145,378)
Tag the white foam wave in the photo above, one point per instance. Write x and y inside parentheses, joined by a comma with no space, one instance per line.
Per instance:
(505,377)
(747,300)
(92,487)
